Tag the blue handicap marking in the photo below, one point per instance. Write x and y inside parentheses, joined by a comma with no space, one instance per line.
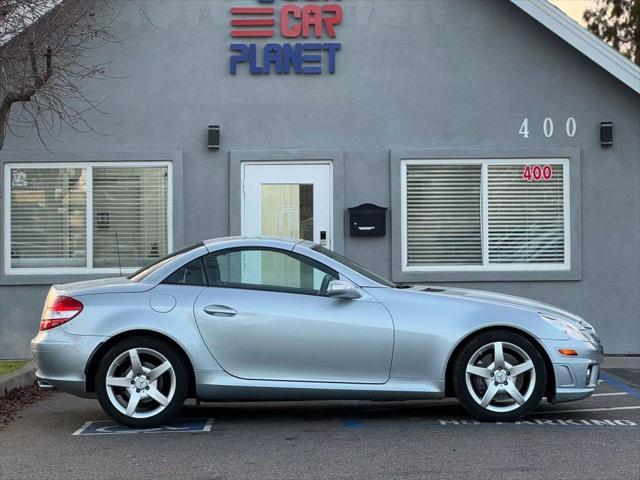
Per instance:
(107,427)
(353,422)
(615,383)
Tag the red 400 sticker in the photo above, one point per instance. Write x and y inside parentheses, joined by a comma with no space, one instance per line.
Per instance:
(537,173)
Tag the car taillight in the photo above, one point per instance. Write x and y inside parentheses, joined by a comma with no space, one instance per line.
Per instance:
(60,311)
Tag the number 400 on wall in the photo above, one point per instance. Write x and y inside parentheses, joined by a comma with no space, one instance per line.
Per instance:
(547,127)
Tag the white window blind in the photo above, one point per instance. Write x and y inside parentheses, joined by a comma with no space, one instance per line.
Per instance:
(48,217)
(526,219)
(129,216)
(443,215)
(485,215)
(64,217)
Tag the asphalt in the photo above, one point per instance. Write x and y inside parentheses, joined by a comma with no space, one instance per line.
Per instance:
(597,438)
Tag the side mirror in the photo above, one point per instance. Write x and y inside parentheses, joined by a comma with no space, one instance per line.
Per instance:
(340,289)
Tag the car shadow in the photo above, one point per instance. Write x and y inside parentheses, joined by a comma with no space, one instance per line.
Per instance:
(324,410)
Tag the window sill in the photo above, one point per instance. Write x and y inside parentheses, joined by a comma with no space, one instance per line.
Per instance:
(486,276)
(50,279)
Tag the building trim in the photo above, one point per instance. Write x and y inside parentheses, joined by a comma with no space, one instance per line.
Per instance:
(400,273)
(172,158)
(582,40)
(335,157)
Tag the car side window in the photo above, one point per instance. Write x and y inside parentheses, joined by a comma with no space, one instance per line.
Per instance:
(268,269)
(192,273)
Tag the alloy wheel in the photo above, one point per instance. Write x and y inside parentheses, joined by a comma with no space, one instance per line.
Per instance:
(140,382)
(500,377)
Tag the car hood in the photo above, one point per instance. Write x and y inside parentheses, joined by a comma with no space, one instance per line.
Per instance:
(508,300)
(102,285)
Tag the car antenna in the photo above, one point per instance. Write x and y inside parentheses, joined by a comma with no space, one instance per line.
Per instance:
(118,253)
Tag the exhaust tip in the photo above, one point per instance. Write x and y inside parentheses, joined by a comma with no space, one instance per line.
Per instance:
(44,385)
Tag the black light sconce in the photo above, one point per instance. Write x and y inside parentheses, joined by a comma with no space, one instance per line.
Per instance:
(213,142)
(606,134)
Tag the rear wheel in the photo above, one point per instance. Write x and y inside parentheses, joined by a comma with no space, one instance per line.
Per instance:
(141,382)
(499,376)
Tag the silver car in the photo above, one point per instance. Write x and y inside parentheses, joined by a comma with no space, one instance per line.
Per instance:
(282,319)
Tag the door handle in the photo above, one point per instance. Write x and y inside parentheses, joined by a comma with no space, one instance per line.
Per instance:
(219,311)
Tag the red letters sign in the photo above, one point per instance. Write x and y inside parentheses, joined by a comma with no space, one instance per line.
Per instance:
(296,21)
(537,173)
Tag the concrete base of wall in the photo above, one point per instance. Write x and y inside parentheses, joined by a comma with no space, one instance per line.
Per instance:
(621,361)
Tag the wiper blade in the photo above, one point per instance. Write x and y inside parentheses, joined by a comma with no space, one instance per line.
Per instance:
(403,285)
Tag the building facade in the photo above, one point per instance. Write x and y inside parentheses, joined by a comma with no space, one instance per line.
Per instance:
(482,127)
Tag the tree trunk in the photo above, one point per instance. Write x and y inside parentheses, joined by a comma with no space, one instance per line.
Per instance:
(5,107)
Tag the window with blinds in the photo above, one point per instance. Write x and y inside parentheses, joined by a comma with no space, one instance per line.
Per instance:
(130,206)
(48,217)
(526,218)
(485,215)
(87,216)
(443,215)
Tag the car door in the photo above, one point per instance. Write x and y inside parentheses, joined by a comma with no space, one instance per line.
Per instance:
(266,317)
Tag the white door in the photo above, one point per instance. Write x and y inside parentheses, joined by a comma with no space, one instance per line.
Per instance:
(288,200)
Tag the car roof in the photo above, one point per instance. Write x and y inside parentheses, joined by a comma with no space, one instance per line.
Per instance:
(275,242)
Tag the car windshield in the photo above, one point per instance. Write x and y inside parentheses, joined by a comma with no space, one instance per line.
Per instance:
(139,275)
(353,266)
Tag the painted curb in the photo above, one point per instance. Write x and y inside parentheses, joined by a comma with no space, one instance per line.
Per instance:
(22,377)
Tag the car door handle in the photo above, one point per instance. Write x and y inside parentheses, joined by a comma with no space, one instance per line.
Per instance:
(219,311)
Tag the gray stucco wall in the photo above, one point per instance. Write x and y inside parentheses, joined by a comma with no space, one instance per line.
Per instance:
(411,75)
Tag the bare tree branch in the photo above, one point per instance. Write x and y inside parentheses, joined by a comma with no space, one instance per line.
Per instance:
(46,49)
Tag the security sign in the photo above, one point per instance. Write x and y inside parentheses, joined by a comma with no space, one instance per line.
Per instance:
(304,20)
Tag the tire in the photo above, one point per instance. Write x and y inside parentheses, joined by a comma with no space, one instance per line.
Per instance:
(505,391)
(147,400)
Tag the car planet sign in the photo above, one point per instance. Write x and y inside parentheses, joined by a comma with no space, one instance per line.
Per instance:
(300,20)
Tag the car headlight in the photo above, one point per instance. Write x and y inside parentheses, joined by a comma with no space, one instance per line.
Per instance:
(567,327)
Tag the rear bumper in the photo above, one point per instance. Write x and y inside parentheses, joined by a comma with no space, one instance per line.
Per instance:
(576,377)
(61,358)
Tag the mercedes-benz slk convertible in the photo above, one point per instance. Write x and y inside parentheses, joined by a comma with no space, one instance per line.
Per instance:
(278,319)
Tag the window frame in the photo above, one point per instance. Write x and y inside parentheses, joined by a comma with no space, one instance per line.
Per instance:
(88,167)
(566,266)
(263,288)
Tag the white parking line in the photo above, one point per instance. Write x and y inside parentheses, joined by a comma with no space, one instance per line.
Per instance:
(82,428)
(604,409)
(611,394)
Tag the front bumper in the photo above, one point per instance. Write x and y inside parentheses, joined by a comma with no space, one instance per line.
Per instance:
(576,377)
(61,358)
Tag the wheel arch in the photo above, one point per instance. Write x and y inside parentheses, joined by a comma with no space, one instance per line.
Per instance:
(93,363)
(551,380)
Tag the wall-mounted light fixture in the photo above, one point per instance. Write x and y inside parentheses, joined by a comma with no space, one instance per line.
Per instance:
(606,134)
(213,142)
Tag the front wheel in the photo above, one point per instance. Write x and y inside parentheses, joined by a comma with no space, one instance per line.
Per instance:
(499,376)
(141,382)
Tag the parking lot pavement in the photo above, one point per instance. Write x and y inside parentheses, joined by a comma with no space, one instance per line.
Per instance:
(597,438)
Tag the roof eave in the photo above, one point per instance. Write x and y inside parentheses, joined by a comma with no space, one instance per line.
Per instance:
(582,40)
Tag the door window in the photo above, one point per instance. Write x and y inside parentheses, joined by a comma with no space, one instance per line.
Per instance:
(268,269)
(287,211)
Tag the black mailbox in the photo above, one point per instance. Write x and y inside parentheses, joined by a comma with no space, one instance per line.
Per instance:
(368,220)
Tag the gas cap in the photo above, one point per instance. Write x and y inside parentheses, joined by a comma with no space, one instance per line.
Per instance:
(162,303)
